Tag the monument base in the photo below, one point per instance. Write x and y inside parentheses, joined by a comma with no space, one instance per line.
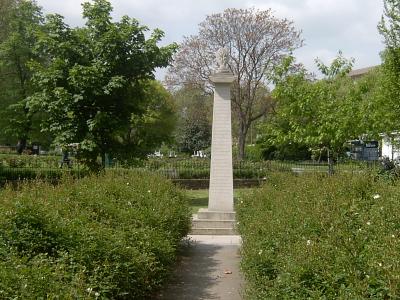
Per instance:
(207,222)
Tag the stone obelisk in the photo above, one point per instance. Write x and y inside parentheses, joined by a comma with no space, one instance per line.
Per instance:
(219,217)
(221,173)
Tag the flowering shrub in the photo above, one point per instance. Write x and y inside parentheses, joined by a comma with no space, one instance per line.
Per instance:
(320,237)
(113,236)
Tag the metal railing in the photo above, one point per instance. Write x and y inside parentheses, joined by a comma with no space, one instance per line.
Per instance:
(200,168)
(176,168)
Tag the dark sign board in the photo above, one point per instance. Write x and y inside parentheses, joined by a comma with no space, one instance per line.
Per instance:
(371,144)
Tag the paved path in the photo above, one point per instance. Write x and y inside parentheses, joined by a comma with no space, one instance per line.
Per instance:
(209,269)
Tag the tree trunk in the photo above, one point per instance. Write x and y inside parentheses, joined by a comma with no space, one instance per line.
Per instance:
(330,163)
(21,145)
(243,129)
(23,140)
(103,159)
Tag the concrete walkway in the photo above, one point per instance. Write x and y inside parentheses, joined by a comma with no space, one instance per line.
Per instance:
(209,269)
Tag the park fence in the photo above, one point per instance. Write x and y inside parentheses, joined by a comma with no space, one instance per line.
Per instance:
(16,168)
(200,168)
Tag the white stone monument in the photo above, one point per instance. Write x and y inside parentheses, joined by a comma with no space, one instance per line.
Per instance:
(221,173)
(219,217)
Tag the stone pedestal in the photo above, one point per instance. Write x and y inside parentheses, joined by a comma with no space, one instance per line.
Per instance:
(219,218)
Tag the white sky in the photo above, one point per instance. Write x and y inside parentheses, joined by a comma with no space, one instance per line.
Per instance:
(327,25)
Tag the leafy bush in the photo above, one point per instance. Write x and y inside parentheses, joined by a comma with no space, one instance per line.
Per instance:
(320,237)
(113,236)
(389,169)
(287,151)
(254,152)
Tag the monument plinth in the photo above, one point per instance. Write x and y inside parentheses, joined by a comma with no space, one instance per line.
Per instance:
(219,218)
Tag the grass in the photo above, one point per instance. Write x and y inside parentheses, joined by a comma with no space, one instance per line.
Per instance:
(199,198)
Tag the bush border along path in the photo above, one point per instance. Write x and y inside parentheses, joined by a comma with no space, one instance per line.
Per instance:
(319,237)
(112,236)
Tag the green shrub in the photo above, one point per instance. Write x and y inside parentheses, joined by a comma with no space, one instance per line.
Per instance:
(198,173)
(49,175)
(254,152)
(200,168)
(113,236)
(29,161)
(320,237)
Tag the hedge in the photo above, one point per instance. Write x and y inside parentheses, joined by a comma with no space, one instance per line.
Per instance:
(29,161)
(320,237)
(114,236)
(52,175)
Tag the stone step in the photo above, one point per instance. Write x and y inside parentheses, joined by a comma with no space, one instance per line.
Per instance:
(207,222)
(213,231)
(204,213)
(203,223)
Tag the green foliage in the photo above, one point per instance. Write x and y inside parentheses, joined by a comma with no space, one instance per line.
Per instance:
(5,7)
(339,67)
(19,168)
(200,168)
(284,151)
(18,175)
(253,152)
(389,26)
(388,95)
(109,237)
(29,161)
(16,169)
(321,114)
(389,170)
(320,237)
(22,20)
(193,131)
(152,127)
(93,81)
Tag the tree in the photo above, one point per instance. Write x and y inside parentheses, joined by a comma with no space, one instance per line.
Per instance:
(21,19)
(256,42)
(5,9)
(389,26)
(319,114)
(389,96)
(193,130)
(151,128)
(92,80)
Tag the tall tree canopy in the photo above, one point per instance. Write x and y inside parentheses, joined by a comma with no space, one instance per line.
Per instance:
(389,97)
(19,23)
(193,130)
(256,41)
(91,80)
(5,9)
(319,114)
(389,26)
(153,126)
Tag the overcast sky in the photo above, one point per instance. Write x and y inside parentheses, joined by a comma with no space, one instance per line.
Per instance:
(327,25)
